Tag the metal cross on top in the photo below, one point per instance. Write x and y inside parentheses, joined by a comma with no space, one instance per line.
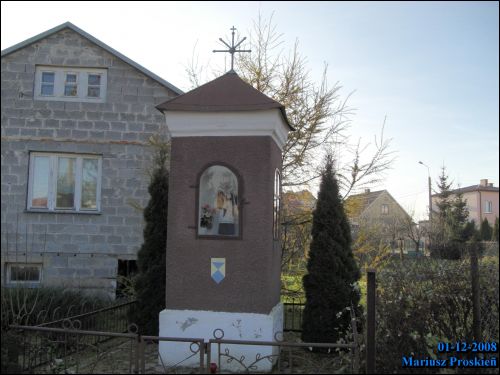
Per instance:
(232,48)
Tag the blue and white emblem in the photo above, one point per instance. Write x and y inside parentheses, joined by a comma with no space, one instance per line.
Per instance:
(218,269)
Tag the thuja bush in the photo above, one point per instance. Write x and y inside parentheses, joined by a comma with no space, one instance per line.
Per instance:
(421,302)
(330,284)
(151,259)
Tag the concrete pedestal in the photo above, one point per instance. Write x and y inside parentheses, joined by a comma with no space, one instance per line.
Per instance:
(235,326)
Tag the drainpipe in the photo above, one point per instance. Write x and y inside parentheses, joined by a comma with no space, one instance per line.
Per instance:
(480,209)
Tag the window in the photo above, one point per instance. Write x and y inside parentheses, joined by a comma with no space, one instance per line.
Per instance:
(488,207)
(276,205)
(385,209)
(47,84)
(218,212)
(64,182)
(24,273)
(71,84)
(79,84)
(94,86)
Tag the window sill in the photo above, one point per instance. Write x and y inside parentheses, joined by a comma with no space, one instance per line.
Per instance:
(35,211)
(27,285)
(217,237)
(71,99)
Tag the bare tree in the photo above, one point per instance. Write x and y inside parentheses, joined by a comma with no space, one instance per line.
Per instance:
(320,116)
(412,230)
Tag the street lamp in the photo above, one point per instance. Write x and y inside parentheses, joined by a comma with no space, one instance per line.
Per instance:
(430,193)
(429,228)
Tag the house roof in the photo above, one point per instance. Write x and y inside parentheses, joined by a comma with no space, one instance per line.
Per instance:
(473,188)
(225,93)
(69,25)
(357,203)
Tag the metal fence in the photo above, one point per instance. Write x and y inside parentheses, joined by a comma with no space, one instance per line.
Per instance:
(74,350)
(40,345)
(293,313)
(113,318)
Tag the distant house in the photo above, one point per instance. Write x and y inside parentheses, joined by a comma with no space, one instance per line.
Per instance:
(482,201)
(298,202)
(379,209)
(76,119)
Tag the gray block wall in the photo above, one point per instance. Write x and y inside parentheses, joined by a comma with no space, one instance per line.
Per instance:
(77,249)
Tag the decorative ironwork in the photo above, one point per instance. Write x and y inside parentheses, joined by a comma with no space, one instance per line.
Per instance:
(232,49)
(70,347)
(293,313)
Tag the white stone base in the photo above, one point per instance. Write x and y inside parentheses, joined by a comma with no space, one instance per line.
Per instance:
(236,326)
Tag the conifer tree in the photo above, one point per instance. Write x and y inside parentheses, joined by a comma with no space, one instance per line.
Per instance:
(444,202)
(486,230)
(150,282)
(332,271)
(458,219)
(450,227)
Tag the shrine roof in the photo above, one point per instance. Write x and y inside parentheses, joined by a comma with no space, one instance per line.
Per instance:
(227,93)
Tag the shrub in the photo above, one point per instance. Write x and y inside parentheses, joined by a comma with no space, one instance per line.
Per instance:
(151,259)
(423,301)
(33,306)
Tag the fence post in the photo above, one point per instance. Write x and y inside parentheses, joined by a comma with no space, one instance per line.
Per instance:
(370,326)
(355,353)
(476,302)
(209,356)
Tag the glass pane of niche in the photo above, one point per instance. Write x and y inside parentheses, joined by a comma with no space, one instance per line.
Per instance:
(218,203)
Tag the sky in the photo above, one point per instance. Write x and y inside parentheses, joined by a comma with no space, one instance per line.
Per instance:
(430,68)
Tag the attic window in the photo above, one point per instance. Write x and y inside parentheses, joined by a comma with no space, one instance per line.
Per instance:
(47,84)
(94,86)
(71,84)
(385,209)
(75,84)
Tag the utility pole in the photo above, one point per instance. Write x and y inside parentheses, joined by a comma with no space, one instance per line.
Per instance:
(430,190)
(430,200)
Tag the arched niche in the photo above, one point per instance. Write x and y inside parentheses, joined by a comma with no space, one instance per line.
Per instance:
(219,202)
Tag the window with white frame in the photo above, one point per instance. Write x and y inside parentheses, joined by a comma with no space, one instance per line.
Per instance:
(488,207)
(64,182)
(385,209)
(70,84)
(24,273)
(94,86)
(47,83)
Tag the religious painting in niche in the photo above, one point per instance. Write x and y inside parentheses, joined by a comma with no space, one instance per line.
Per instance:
(218,203)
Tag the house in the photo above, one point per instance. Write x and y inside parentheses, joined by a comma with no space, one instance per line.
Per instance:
(76,119)
(378,210)
(482,201)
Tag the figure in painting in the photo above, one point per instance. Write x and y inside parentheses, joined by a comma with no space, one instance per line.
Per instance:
(219,188)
